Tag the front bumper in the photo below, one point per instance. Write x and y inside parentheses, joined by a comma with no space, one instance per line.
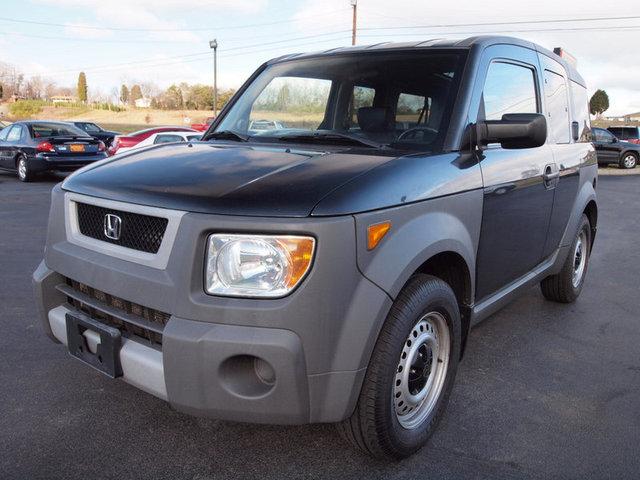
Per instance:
(298,359)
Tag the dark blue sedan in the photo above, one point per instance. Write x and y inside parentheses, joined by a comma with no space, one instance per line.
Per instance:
(32,147)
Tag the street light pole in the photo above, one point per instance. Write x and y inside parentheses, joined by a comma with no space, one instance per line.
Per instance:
(214,44)
(354,4)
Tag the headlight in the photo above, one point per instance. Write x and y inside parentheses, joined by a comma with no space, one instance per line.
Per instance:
(256,265)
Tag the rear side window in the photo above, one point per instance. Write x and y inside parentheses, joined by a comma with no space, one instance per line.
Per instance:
(580,111)
(555,89)
(412,109)
(168,139)
(509,88)
(362,97)
(625,133)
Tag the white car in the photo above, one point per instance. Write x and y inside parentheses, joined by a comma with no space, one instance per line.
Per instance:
(164,137)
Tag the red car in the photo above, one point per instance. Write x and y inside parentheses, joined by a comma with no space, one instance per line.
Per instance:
(131,140)
(202,127)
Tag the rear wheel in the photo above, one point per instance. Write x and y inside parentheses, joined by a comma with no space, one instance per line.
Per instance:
(24,172)
(411,372)
(566,286)
(629,160)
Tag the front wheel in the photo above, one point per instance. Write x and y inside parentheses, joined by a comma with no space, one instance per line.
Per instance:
(411,372)
(629,160)
(565,287)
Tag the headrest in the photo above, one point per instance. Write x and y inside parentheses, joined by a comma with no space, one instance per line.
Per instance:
(373,119)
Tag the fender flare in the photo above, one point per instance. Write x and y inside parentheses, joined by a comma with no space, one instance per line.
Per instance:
(586,195)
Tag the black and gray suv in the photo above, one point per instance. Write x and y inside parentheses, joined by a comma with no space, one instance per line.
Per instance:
(329,269)
(611,150)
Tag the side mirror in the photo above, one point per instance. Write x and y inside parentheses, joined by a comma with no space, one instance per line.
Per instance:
(515,130)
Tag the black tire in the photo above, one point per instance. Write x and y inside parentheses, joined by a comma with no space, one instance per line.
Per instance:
(561,287)
(628,160)
(24,174)
(375,427)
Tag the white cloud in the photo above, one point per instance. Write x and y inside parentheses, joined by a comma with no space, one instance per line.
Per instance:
(606,58)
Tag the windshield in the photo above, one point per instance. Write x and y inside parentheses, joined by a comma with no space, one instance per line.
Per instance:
(399,99)
(42,130)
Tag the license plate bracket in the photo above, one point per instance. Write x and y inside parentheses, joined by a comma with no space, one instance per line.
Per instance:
(107,356)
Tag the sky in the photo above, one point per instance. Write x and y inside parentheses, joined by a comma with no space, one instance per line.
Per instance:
(167,41)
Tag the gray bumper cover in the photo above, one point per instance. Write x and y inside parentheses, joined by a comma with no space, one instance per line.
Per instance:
(317,340)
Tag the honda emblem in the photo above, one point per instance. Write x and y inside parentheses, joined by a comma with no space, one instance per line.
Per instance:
(112,226)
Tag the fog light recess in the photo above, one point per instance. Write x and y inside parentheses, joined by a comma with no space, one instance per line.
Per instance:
(247,376)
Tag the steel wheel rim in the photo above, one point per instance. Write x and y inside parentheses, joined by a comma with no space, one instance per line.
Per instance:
(629,161)
(22,168)
(421,370)
(579,259)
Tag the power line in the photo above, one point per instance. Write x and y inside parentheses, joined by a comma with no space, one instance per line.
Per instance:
(489,32)
(91,40)
(140,63)
(200,54)
(204,56)
(197,29)
(493,24)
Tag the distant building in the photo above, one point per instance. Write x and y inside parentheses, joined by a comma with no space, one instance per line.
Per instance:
(632,117)
(142,103)
(63,99)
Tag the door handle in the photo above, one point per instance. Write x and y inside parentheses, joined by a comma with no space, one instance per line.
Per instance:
(551,175)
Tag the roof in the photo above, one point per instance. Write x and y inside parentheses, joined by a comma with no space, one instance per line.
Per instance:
(481,41)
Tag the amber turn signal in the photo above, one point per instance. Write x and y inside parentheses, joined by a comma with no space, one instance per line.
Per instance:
(375,234)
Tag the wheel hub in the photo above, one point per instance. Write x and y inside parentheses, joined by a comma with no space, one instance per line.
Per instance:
(421,370)
(579,259)
(22,168)
(629,161)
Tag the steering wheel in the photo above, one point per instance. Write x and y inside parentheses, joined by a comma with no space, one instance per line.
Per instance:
(412,133)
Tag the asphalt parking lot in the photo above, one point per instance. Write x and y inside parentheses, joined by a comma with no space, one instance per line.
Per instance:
(545,390)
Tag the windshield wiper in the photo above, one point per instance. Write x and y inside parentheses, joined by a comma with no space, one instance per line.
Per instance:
(328,136)
(228,135)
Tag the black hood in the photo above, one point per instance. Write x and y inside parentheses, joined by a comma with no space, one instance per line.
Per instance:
(224,179)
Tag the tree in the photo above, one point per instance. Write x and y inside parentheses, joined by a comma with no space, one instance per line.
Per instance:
(82,87)
(284,97)
(224,96)
(1,91)
(173,97)
(124,94)
(136,93)
(599,103)
(200,97)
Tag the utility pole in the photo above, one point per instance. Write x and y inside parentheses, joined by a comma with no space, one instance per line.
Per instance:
(214,44)
(354,4)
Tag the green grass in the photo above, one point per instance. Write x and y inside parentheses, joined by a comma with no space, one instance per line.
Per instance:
(125,127)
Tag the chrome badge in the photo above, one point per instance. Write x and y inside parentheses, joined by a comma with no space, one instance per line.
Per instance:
(112,226)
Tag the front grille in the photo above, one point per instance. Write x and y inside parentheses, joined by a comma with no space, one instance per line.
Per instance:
(128,317)
(137,231)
